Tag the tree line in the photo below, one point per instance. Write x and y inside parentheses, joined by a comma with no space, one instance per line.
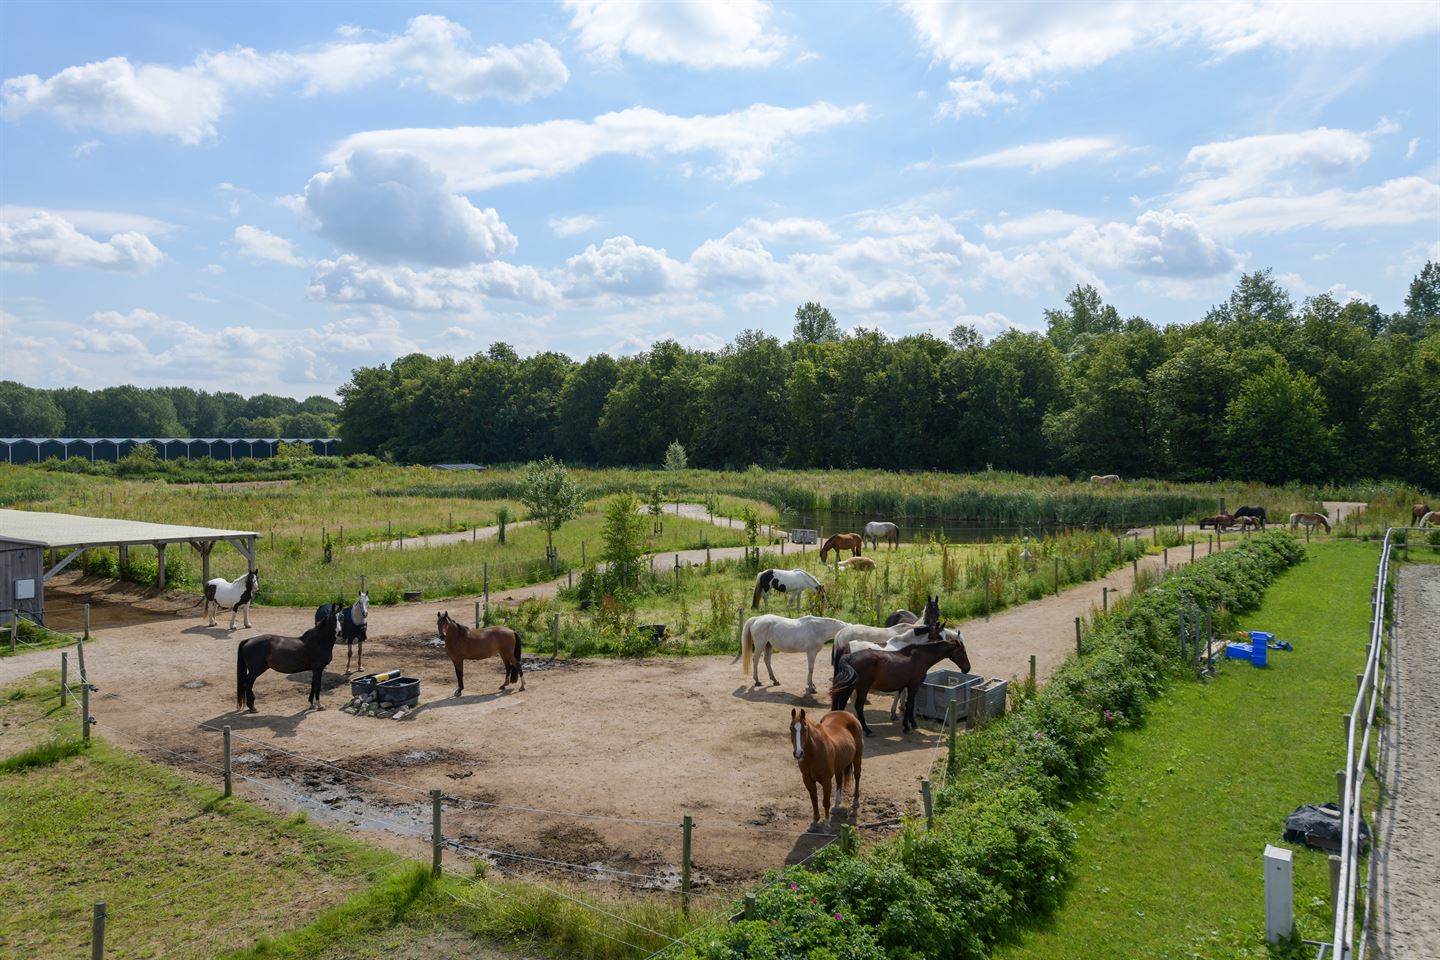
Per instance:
(1257,389)
(130,411)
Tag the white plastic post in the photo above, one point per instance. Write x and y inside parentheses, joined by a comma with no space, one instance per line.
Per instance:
(1279,894)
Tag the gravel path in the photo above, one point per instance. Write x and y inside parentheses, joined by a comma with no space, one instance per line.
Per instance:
(1407,857)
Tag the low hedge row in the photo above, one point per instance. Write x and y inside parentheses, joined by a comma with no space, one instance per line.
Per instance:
(1002,847)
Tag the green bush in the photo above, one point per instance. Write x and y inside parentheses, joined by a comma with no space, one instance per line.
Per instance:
(1002,847)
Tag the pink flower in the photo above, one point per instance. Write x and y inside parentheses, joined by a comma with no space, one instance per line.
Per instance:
(794,886)
(837,916)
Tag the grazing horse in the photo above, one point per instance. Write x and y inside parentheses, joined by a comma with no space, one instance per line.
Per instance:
(1221,521)
(233,594)
(480,643)
(889,671)
(877,530)
(353,625)
(857,563)
(1248,523)
(1255,513)
(311,651)
(1418,511)
(843,541)
(829,750)
(1106,479)
(932,614)
(1310,520)
(792,583)
(769,632)
(1432,516)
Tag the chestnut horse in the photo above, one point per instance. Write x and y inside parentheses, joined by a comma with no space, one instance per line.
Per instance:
(1419,510)
(1311,520)
(889,671)
(843,541)
(830,749)
(481,643)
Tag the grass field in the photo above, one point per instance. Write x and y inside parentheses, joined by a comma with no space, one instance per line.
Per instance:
(1170,847)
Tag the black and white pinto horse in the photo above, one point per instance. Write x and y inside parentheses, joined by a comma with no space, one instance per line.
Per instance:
(353,623)
(233,594)
(1256,512)
(792,583)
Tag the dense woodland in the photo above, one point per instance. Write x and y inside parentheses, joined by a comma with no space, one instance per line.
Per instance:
(1257,389)
(159,412)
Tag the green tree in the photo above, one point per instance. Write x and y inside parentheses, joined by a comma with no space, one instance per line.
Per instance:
(551,498)
(582,400)
(1275,428)
(624,538)
(675,456)
(815,324)
(26,412)
(1088,316)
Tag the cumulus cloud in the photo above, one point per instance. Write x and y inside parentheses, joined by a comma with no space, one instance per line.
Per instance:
(1159,243)
(1045,223)
(790,230)
(349,279)
(973,98)
(572,226)
(259,244)
(736,260)
(1396,202)
(45,238)
(479,158)
(703,34)
(623,267)
(1047,155)
(396,207)
(119,96)
(1233,167)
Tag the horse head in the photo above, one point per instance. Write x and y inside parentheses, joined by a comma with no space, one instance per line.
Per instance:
(442,620)
(360,612)
(958,655)
(797,732)
(932,609)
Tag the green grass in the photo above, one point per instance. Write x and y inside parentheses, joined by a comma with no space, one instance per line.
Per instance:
(32,637)
(1169,851)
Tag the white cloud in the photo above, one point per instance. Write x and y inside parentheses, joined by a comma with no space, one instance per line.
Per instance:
(349,279)
(1045,223)
(94,221)
(85,149)
(572,226)
(623,267)
(1237,167)
(1047,155)
(790,230)
(735,260)
(1159,243)
(1411,147)
(703,34)
(1396,202)
(259,244)
(394,206)
(479,158)
(973,98)
(45,238)
(118,96)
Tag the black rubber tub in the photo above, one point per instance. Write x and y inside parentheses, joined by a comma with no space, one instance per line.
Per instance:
(363,686)
(402,691)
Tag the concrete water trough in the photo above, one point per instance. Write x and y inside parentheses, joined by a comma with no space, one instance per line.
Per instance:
(967,690)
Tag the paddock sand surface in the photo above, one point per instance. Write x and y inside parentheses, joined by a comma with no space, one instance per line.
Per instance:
(649,740)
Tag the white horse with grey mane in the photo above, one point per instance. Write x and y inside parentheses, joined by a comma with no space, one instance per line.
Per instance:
(769,632)
(877,530)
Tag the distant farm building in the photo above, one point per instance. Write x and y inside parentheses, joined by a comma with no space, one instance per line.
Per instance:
(113,449)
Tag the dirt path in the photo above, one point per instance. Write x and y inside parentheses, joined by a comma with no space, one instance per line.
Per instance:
(1407,854)
(441,539)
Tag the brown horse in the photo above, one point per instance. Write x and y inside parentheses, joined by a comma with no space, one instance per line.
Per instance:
(481,643)
(830,749)
(890,671)
(1311,520)
(1419,510)
(311,651)
(843,541)
(1221,521)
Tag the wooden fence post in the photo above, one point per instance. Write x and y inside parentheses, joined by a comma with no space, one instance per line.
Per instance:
(1166,558)
(1057,576)
(486,583)
(1192,551)
(86,613)
(97,932)
(929,809)
(1104,599)
(987,596)
(1032,671)
(1078,651)
(686,827)
(554,636)
(64,677)
(477,613)
(436,837)
(1135,569)
(225,731)
(749,906)
(80,658)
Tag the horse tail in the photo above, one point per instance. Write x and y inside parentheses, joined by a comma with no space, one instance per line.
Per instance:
(843,684)
(240,674)
(747,646)
(759,586)
(836,654)
(512,673)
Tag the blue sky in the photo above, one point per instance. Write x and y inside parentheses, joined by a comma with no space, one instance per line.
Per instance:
(264,196)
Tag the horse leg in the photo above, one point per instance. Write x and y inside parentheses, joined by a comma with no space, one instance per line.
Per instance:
(316,676)
(250,688)
(814,802)
(810,672)
(210,612)
(825,786)
(459,677)
(235,610)
(839,804)
(860,691)
(855,783)
(247,614)
(359,654)
(774,681)
(347,658)
(895,706)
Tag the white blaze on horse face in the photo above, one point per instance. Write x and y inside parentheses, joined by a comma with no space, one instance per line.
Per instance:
(799,747)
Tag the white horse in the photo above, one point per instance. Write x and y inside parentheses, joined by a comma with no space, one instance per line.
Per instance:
(792,583)
(233,594)
(852,640)
(769,632)
(1433,517)
(877,530)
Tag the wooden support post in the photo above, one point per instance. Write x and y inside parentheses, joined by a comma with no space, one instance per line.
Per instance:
(1334,886)
(225,732)
(477,613)
(436,837)
(677,573)
(485,582)
(1135,569)
(1165,555)
(362,583)
(582,553)
(85,613)
(1192,551)
(1345,726)
(402,541)
(1032,671)
(1078,650)
(160,565)
(569,577)
(554,636)
(1340,787)
(987,596)
(749,906)
(64,676)
(929,808)
(80,658)
(685,827)
(85,712)
(1209,544)
(1104,599)
(1057,576)
(97,932)
(950,722)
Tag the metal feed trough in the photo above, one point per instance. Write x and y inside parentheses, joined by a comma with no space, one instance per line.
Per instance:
(968,691)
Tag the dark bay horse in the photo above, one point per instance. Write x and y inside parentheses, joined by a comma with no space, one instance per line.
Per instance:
(480,643)
(932,614)
(843,541)
(1256,512)
(890,671)
(1418,511)
(829,750)
(354,625)
(311,651)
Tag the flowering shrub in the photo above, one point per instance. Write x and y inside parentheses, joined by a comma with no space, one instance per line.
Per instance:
(1001,849)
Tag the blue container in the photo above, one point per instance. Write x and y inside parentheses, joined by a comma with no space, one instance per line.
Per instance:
(1258,642)
(1237,651)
